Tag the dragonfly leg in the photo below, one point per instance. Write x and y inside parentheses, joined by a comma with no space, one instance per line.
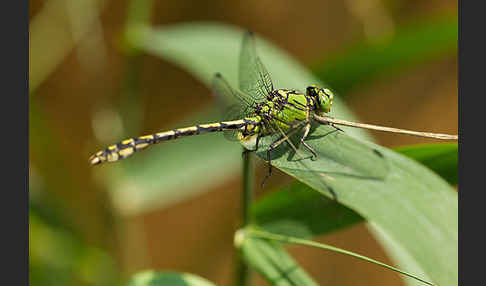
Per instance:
(272,147)
(306,132)
(333,125)
(269,169)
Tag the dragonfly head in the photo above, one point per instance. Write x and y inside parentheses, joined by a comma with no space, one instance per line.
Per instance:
(322,97)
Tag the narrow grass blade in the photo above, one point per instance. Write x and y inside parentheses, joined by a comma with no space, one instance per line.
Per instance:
(293,240)
(271,261)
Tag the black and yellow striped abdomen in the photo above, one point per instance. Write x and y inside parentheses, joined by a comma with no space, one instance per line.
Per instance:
(130,146)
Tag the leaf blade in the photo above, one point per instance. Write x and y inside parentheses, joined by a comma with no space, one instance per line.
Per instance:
(440,158)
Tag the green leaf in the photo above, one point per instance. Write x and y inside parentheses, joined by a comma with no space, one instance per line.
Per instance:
(408,204)
(414,206)
(410,45)
(253,232)
(440,158)
(155,278)
(271,261)
(297,210)
(58,256)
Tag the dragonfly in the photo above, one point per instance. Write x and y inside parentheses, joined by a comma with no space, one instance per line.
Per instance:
(259,111)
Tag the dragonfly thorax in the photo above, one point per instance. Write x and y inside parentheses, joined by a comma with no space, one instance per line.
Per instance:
(282,110)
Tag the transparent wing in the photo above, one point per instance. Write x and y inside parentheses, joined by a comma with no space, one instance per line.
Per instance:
(254,78)
(228,95)
(230,113)
(232,103)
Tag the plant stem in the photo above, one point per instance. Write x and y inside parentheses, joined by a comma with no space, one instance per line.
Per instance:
(247,188)
(243,271)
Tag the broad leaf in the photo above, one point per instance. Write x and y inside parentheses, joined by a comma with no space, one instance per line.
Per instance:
(440,158)
(297,210)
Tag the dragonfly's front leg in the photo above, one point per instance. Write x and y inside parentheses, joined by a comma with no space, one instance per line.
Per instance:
(333,125)
(306,132)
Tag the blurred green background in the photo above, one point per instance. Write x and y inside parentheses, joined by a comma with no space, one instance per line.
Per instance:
(393,62)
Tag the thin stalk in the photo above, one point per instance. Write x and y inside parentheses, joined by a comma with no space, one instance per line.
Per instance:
(243,271)
(327,120)
(247,187)
(287,239)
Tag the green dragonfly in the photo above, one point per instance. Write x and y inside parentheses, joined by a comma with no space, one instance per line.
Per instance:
(259,111)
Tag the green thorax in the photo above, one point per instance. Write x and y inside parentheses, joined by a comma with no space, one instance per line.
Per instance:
(287,108)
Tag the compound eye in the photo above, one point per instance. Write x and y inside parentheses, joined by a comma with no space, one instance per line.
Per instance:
(328,93)
(323,97)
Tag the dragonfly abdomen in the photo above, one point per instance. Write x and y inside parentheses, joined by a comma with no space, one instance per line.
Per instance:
(128,147)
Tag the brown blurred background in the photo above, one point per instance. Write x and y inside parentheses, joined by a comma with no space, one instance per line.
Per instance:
(77,68)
